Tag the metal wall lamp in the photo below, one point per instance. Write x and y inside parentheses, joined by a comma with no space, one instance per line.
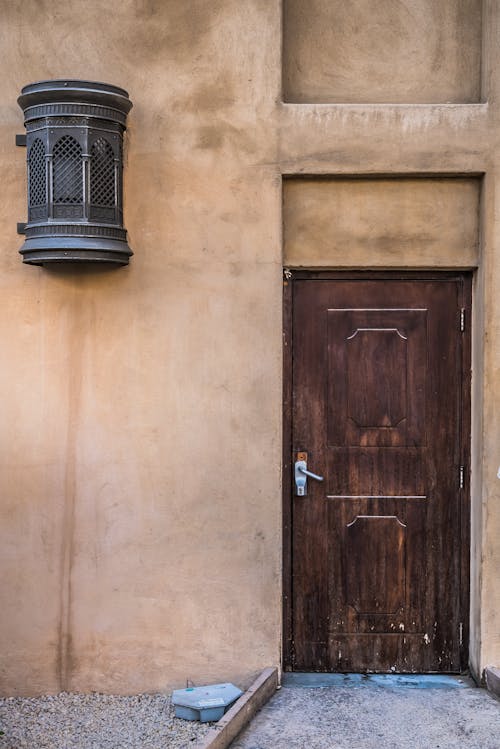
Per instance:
(74,142)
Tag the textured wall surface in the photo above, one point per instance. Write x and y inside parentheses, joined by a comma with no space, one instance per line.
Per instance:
(140,440)
(382,51)
(140,437)
(381,222)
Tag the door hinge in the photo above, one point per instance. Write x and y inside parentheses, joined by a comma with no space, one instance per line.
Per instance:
(461,633)
(461,473)
(462,320)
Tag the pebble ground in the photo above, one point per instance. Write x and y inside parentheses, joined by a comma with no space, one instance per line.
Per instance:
(95,721)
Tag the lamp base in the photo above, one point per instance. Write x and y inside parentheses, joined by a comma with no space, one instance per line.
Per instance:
(42,251)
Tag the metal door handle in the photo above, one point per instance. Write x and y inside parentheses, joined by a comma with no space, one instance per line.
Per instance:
(301,474)
(310,473)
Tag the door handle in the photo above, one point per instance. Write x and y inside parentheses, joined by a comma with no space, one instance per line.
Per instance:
(301,474)
(302,469)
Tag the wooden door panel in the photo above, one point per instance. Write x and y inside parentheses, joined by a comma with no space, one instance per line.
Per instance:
(378,407)
(361,474)
(376,380)
(373,562)
(383,553)
(380,410)
(392,649)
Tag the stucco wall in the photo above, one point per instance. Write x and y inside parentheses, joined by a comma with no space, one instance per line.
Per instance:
(345,223)
(141,419)
(382,51)
(140,438)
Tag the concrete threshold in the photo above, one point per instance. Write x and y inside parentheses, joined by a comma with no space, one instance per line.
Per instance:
(492,678)
(231,724)
(389,681)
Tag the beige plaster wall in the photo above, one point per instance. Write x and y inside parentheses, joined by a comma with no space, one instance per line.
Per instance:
(345,223)
(381,51)
(140,429)
(140,438)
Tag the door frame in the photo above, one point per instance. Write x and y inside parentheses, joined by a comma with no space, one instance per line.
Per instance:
(289,275)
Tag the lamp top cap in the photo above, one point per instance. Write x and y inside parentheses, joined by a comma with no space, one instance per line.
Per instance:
(73,90)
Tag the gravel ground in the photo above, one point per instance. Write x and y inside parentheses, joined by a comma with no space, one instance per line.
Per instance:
(95,721)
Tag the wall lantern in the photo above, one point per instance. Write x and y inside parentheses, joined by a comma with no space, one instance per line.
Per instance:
(74,142)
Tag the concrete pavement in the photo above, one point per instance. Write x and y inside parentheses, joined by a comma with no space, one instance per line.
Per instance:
(336,711)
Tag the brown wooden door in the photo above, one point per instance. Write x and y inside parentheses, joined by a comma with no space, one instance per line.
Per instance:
(379,549)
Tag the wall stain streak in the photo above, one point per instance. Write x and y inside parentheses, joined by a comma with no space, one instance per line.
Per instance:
(74,369)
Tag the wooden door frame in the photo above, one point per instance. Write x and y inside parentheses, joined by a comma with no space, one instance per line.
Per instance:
(465,438)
